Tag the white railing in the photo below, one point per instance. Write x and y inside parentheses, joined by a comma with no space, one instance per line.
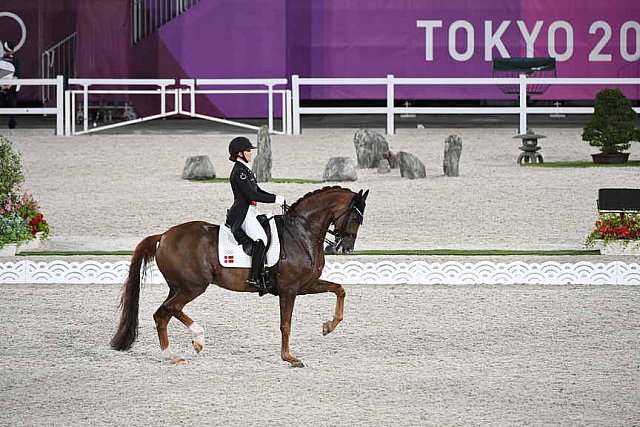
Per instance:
(165,89)
(58,111)
(149,15)
(356,272)
(390,110)
(203,86)
(58,60)
(159,87)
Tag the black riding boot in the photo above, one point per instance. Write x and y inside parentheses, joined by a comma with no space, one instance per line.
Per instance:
(257,276)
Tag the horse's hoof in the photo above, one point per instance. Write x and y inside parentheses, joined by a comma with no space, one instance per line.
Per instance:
(297,364)
(197,346)
(326,328)
(180,361)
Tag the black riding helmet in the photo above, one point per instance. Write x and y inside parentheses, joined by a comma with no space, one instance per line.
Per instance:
(237,145)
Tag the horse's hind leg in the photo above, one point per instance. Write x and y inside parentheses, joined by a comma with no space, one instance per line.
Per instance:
(324,286)
(172,306)
(162,316)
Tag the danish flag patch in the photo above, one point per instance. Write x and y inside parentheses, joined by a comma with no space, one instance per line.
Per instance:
(228,259)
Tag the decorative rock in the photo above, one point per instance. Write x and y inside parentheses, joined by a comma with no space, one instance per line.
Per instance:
(262,161)
(452,151)
(384,167)
(370,148)
(340,169)
(198,167)
(410,166)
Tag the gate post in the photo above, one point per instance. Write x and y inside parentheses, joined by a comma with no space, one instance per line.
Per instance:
(523,103)
(390,107)
(295,92)
(60,105)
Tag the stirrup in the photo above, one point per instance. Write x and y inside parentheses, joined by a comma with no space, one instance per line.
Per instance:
(256,283)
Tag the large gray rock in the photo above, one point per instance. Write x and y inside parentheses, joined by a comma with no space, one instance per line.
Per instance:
(262,161)
(371,147)
(410,166)
(340,169)
(198,167)
(452,151)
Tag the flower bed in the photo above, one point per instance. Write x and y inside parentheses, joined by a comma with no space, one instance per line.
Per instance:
(616,230)
(20,217)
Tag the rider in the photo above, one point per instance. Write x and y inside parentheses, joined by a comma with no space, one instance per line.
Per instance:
(9,93)
(242,217)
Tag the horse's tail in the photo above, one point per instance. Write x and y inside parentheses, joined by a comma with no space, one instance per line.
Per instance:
(128,327)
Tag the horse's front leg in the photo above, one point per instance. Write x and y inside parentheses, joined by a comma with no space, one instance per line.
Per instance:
(321,286)
(287,301)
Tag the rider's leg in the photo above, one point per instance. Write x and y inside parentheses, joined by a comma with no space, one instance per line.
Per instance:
(254,230)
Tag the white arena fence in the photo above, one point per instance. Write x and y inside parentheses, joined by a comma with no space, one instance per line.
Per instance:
(291,102)
(58,110)
(177,90)
(205,86)
(390,110)
(355,272)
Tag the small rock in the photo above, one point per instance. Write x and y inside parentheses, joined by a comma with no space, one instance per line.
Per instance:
(384,167)
(198,167)
(410,166)
(340,169)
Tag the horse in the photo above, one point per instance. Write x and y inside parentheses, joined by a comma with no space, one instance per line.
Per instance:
(187,257)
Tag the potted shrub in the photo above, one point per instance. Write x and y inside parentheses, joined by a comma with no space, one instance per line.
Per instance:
(616,234)
(20,218)
(612,127)
(13,231)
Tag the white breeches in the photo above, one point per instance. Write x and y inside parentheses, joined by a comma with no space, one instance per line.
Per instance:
(252,227)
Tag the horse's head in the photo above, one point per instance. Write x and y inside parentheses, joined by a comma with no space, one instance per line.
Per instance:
(346,225)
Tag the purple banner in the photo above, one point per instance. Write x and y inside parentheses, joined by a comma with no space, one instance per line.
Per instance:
(373,38)
(367,38)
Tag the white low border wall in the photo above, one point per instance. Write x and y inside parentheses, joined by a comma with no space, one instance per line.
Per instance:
(355,272)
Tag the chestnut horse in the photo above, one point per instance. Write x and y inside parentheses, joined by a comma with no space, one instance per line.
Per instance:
(187,257)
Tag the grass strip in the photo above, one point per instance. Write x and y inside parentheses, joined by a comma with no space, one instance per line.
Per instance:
(581,164)
(73,253)
(455,252)
(275,180)
(476,252)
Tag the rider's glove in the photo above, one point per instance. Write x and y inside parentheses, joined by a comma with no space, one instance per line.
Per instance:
(280,200)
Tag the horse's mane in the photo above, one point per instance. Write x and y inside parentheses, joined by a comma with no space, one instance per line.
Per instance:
(292,208)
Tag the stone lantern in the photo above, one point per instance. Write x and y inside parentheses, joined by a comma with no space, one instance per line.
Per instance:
(530,147)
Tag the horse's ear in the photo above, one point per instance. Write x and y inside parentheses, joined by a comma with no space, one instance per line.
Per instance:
(364,196)
(360,193)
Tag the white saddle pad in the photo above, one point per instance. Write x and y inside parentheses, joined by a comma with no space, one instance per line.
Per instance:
(230,253)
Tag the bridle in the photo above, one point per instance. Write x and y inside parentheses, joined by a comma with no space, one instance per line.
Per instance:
(357,206)
(341,235)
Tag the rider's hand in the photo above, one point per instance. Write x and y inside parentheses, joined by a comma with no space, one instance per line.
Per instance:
(280,200)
